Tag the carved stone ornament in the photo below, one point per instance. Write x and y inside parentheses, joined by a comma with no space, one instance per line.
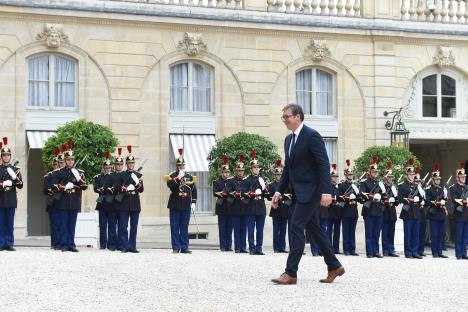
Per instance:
(444,56)
(192,44)
(318,50)
(52,35)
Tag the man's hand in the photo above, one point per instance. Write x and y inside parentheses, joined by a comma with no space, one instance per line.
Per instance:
(325,200)
(275,200)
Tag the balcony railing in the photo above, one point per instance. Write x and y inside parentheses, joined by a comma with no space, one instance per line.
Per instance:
(316,7)
(220,4)
(438,11)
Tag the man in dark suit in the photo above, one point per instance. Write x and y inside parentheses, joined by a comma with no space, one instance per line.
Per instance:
(306,173)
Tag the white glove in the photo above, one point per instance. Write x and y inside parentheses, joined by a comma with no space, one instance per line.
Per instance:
(69,186)
(7,183)
(391,200)
(394,191)
(352,196)
(355,188)
(382,187)
(192,206)
(442,202)
(445,192)
(262,182)
(11,173)
(377,197)
(421,191)
(135,178)
(258,191)
(416,199)
(76,174)
(130,187)
(181,174)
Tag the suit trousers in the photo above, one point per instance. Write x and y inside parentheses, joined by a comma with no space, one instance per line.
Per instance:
(303,216)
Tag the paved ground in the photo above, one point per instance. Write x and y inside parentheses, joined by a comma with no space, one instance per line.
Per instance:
(38,279)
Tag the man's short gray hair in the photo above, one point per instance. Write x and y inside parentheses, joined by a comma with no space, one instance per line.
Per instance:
(295,110)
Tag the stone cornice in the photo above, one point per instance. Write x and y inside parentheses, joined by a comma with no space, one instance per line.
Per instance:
(229,20)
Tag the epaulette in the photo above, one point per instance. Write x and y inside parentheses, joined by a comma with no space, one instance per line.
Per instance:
(97,175)
(363,180)
(451,185)
(47,174)
(428,187)
(400,183)
(56,169)
(79,170)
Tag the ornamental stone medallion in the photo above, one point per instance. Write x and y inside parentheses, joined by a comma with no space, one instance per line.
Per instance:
(52,35)
(444,56)
(192,44)
(317,50)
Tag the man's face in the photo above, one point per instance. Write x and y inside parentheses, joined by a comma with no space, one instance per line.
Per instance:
(410,177)
(55,165)
(130,165)
(436,181)
(334,179)
(61,164)
(225,174)
(180,167)
(118,167)
(461,180)
(69,162)
(107,170)
(277,177)
(6,158)
(389,180)
(291,121)
(374,174)
(240,173)
(349,177)
(255,170)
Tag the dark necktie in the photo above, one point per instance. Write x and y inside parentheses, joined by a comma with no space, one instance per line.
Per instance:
(293,142)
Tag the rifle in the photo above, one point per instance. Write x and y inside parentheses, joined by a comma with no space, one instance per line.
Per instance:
(58,195)
(245,197)
(120,196)
(437,200)
(347,192)
(406,207)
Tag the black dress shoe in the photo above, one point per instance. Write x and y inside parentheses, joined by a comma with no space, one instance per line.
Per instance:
(175,251)
(9,249)
(64,249)
(370,256)
(112,249)
(435,256)
(57,248)
(346,253)
(237,251)
(443,256)
(124,251)
(463,257)
(185,251)
(102,248)
(260,253)
(251,252)
(417,257)
(223,249)
(409,257)
(378,256)
(314,255)
(283,251)
(229,249)
(243,251)
(337,252)
(73,250)
(394,255)
(422,254)
(134,251)
(459,258)
(354,254)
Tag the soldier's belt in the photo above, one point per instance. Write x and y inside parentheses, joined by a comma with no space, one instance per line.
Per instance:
(70,191)
(131,193)
(8,188)
(183,194)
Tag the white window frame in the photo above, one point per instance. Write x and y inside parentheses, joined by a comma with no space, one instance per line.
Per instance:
(314,91)
(190,89)
(459,95)
(51,105)
(334,140)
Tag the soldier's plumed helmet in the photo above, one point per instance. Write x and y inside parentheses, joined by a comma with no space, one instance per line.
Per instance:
(225,165)
(333,171)
(410,167)
(68,154)
(436,173)
(107,162)
(417,175)
(118,160)
(374,163)
(130,158)
(461,170)
(180,159)
(240,163)
(254,160)
(389,172)
(5,150)
(348,169)
(278,167)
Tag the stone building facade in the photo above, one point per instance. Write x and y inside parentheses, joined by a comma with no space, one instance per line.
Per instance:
(158,72)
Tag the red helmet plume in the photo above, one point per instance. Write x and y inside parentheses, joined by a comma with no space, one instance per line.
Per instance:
(462,164)
(389,165)
(56,151)
(129,149)
(225,159)
(64,148)
(5,141)
(334,166)
(418,170)
(253,154)
(241,157)
(278,163)
(70,144)
(107,155)
(181,151)
(348,162)
(119,151)
(375,159)
(437,167)
(411,161)
(1,144)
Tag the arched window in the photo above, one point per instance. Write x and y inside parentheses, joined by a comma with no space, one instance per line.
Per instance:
(191,88)
(315,91)
(52,82)
(439,96)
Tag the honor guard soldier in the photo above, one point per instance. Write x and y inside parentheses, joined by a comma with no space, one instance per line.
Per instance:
(423,215)
(222,207)
(181,201)
(459,196)
(69,183)
(118,169)
(334,214)
(436,199)
(10,181)
(346,195)
(372,210)
(390,201)
(237,207)
(129,185)
(104,187)
(409,194)
(280,215)
(50,204)
(254,191)
(323,218)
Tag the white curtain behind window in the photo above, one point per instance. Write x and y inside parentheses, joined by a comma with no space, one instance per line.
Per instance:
(64,82)
(201,80)
(179,87)
(324,94)
(38,92)
(304,90)
(331,147)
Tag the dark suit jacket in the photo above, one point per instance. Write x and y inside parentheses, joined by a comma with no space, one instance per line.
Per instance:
(307,170)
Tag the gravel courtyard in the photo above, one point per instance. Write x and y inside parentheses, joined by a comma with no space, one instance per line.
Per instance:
(38,279)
